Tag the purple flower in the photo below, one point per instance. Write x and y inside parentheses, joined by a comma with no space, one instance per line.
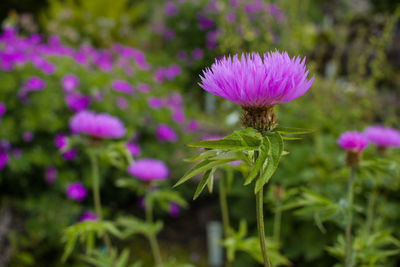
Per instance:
(203,22)
(256,6)
(77,102)
(69,154)
(2,109)
(276,12)
(211,39)
(50,175)
(143,87)
(122,86)
(33,84)
(173,210)
(170,9)
(133,149)
(255,82)
(178,116)
(230,17)
(69,82)
(155,103)
(88,216)
(352,141)
(169,34)
(76,191)
(193,125)
(197,54)
(148,170)
(96,125)
(383,136)
(4,158)
(27,137)
(121,103)
(172,71)
(166,133)
(60,141)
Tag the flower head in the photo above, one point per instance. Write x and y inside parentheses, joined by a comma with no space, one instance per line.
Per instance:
(166,133)
(254,81)
(76,191)
(4,158)
(2,109)
(353,141)
(148,170)
(69,82)
(383,136)
(97,125)
(133,149)
(88,216)
(60,141)
(77,102)
(173,210)
(122,86)
(50,175)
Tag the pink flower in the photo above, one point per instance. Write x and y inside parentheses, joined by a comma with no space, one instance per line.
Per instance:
(4,158)
(27,137)
(121,103)
(96,125)
(148,170)
(69,154)
(143,87)
(69,82)
(76,191)
(166,133)
(193,125)
(60,141)
(122,86)
(88,216)
(77,102)
(197,54)
(173,210)
(155,103)
(133,149)
(383,136)
(253,81)
(352,141)
(2,109)
(50,175)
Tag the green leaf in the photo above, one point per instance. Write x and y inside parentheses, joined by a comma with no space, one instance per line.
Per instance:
(205,155)
(202,167)
(200,187)
(123,258)
(289,130)
(264,151)
(272,162)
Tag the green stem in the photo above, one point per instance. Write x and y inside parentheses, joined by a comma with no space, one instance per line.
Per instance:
(370,211)
(97,200)
(277,221)
(155,249)
(225,214)
(260,226)
(348,242)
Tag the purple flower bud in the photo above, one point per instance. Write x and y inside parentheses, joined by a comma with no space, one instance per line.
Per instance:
(166,133)
(76,191)
(148,170)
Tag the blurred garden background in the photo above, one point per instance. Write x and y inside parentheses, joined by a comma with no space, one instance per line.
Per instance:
(140,61)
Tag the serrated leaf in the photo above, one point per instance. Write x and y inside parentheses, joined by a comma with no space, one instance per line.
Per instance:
(200,187)
(290,130)
(201,167)
(264,151)
(276,149)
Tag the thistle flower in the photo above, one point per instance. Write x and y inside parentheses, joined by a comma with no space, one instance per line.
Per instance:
(60,141)
(88,216)
(121,102)
(133,149)
(155,103)
(77,102)
(4,158)
(50,175)
(193,125)
(27,137)
(69,154)
(383,136)
(148,170)
(257,83)
(76,191)
(69,82)
(122,86)
(2,109)
(166,133)
(173,210)
(197,54)
(96,125)
(353,142)
(143,87)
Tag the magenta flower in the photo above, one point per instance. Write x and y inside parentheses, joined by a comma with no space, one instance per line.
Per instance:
(96,125)
(170,9)
(122,86)
(60,141)
(122,103)
(155,103)
(69,82)
(4,159)
(211,39)
(143,87)
(69,154)
(178,116)
(204,23)
(230,17)
(255,82)
(2,109)
(352,141)
(50,175)
(193,125)
(133,149)
(166,133)
(76,191)
(27,137)
(172,71)
(77,102)
(197,54)
(33,84)
(173,210)
(383,136)
(88,216)
(148,170)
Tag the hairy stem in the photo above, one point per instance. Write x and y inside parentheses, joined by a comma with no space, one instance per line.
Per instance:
(155,249)
(225,214)
(97,200)
(350,200)
(260,227)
